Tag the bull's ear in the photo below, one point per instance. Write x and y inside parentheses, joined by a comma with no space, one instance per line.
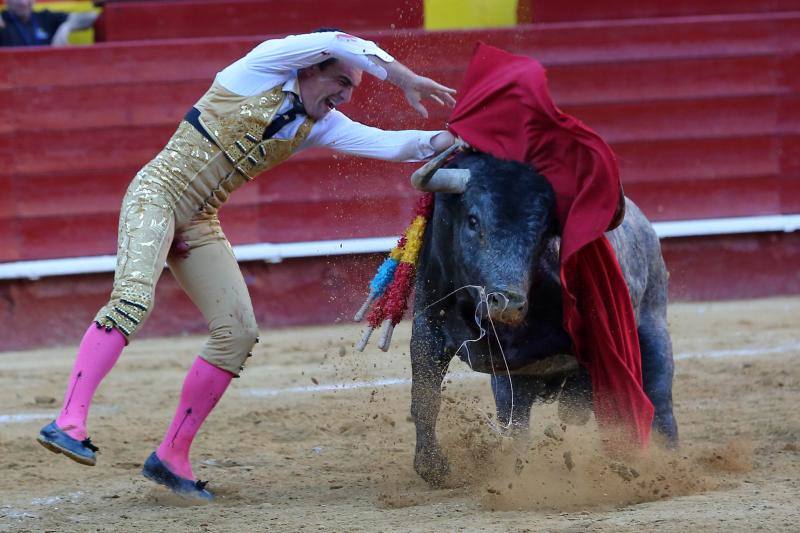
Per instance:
(451,180)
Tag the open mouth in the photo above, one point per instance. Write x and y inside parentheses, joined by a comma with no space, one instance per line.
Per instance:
(329,104)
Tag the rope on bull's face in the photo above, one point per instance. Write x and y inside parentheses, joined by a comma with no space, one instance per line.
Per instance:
(392,284)
(505,363)
(380,280)
(394,280)
(483,299)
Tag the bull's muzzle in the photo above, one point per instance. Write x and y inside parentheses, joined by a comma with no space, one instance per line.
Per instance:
(507,306)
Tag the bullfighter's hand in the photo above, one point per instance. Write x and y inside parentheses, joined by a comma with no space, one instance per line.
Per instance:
(421,88)
(442,141)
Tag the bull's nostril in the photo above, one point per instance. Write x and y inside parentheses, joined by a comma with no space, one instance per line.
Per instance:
(516,301)
(506,306)
(506,301)
(511,300)
(498,300)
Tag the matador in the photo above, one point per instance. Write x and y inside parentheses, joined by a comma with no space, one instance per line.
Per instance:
(277,100)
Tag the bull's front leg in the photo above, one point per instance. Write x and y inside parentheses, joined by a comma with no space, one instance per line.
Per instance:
(514,397)
(428,366)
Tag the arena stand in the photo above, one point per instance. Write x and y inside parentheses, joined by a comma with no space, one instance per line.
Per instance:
(176,19)
(86,36)
(701,102)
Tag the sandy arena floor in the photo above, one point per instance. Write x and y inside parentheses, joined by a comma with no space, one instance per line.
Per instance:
(287,450)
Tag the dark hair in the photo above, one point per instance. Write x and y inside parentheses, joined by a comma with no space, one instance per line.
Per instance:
(326,30)
(327,63)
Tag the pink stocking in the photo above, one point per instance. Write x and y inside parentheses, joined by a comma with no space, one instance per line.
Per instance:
(203,387)
(98,352)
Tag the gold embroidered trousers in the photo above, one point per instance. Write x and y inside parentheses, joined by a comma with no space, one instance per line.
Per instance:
(176,195)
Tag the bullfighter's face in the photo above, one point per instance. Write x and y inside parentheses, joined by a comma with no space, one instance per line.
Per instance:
(323,87)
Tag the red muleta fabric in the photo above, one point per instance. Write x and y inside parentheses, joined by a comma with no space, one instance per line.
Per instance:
(504,108)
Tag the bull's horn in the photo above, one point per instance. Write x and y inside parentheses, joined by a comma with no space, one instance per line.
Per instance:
(452,180)
(422,176)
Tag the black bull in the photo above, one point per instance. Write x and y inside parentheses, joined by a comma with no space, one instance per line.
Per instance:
(500,237)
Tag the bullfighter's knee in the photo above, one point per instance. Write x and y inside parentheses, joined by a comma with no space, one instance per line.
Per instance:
(229,346)
(126,313)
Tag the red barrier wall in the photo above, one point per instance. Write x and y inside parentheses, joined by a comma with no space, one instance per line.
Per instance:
(703,112)
(590,10)
(133,21)
(704,118)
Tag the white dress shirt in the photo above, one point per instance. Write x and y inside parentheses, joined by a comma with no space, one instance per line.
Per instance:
(277,61)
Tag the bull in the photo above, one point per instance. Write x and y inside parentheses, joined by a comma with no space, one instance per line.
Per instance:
(490,263)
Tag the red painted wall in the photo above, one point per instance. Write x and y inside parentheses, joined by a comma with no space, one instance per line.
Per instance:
(705,118)
(703,112)
(133,21)
(588,10)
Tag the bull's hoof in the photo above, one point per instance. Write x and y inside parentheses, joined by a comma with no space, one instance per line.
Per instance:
(432,466)
(667,430)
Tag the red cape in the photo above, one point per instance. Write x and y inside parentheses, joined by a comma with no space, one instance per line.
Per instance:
(505,109)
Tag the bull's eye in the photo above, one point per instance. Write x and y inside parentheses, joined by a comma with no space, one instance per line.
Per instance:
(472,220)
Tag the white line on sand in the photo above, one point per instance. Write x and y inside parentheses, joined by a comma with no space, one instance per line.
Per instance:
(266,392)
(17,418)
(718,354)
(333,387)
(20,515)
(741,352)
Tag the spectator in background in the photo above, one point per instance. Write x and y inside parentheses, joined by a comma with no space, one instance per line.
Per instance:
(21,26)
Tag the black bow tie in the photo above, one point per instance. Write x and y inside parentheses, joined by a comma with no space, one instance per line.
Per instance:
(284,118)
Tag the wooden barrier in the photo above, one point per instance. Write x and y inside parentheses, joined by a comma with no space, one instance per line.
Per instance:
(590,10)
(702,116)
(703,112)
(133,21)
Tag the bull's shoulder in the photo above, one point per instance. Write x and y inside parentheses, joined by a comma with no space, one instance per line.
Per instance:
(638,252)
(636,233)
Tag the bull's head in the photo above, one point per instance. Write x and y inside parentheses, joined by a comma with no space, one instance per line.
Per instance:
(492,220)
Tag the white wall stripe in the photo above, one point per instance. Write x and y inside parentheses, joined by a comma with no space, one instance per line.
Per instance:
(727,226)
(275,253)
